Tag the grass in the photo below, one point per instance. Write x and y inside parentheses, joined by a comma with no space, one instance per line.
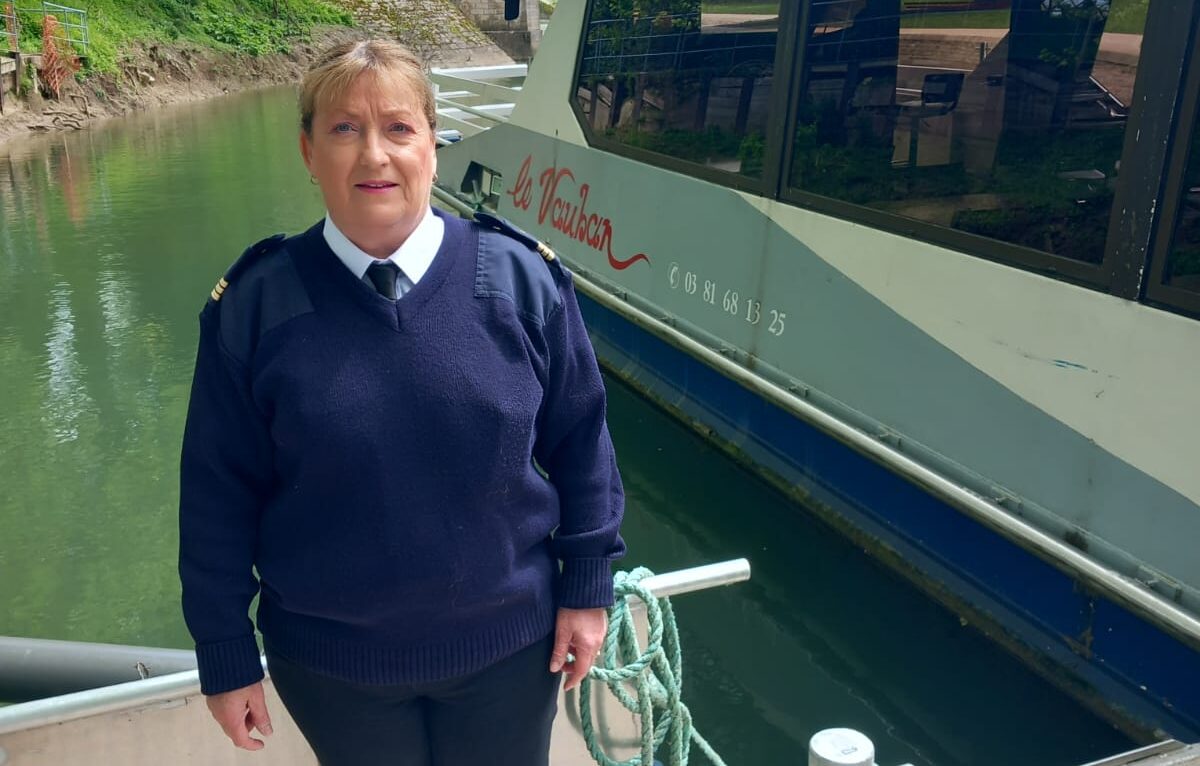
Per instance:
(740,6)
(957,20)
(256,27)
(1126,16)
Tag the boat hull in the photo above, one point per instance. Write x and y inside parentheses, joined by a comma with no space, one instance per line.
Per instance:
(1115,662)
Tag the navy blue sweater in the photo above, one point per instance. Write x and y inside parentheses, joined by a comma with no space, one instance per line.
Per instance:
(377,464)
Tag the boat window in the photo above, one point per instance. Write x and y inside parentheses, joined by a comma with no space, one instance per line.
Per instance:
(1183,261)
(1001,118)
(689,79)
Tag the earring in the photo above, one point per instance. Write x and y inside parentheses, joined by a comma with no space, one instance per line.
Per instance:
(435,177)
(312,180)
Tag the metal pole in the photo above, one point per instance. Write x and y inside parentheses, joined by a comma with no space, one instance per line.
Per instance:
(470,110)
(698,578)
(32,668)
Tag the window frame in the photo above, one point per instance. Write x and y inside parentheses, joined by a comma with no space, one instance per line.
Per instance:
(1100,276)
(1136,245)
(1157,292)
(765,184)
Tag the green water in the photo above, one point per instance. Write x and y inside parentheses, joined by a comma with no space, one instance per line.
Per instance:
(109,243)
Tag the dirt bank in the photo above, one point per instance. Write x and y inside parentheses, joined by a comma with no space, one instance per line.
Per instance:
(154,75)
(159,74)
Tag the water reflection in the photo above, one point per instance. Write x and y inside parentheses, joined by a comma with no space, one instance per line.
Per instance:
(66,399)
(822,635)
(110,241)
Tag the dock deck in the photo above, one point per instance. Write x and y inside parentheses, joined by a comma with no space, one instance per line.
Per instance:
(1169,753)
(180,731)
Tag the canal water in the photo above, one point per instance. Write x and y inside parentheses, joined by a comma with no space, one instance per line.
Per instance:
(110,241)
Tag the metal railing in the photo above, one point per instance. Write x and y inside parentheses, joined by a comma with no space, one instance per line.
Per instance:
(72,22)
(162,689)
(12,27)
(72,25)
(480,96)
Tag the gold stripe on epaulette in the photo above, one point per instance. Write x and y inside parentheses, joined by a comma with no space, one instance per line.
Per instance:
(219,290)
(546,252)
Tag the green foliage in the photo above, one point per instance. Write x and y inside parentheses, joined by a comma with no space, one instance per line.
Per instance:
(257,37)
(632,26)
(741,6)
(31,30)
(751,152)
(852,160)
(957,20)
(1185,254)
(256,27)
(702,147)
(1127,17)
(1185,258)
(684,144)
(25,82)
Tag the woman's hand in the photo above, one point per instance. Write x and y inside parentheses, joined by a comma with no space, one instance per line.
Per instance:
(239,711)
(580,632)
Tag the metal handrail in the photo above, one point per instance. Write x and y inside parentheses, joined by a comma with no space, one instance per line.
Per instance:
(71,707)
(12,26)
(470,110)
(67,24)
(63,15)
(161,689)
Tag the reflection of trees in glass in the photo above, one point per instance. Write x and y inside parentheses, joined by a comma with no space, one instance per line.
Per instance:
(848,162)
(1071,30)
(1025,152)
(654,79)
(632,47)
(1185,251)
(1029,198)
(1127,17)
(701,147)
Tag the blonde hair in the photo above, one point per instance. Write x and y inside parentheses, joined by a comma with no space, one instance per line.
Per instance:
(337,69)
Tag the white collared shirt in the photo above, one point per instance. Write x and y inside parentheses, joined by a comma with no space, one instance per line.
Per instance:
(413,257)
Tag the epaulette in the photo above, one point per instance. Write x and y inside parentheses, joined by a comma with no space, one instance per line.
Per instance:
(503,226)
(251,254)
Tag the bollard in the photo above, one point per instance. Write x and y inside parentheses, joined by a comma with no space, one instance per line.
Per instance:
(840,747)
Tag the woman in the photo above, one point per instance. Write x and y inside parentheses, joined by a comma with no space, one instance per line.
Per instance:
(376,408)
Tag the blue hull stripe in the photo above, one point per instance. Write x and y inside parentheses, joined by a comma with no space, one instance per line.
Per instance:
(1112,658)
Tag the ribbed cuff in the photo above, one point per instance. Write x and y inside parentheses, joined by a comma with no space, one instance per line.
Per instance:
(228,665)
(586,584)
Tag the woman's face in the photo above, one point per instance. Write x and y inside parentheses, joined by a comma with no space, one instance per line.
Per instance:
(373,154)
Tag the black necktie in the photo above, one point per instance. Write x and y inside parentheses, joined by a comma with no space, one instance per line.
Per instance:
(383,275)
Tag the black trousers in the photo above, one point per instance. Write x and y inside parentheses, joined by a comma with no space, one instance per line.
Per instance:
(500,716)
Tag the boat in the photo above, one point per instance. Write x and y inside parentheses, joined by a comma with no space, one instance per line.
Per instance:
(930,269)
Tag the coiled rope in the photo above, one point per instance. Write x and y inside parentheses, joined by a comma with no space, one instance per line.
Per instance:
(655,672)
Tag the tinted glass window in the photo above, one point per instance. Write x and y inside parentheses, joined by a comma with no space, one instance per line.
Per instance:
(682,78)
(1003,118)
(1183,263)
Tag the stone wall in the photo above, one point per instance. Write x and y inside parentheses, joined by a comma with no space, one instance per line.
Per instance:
(519,38)
(436,30)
